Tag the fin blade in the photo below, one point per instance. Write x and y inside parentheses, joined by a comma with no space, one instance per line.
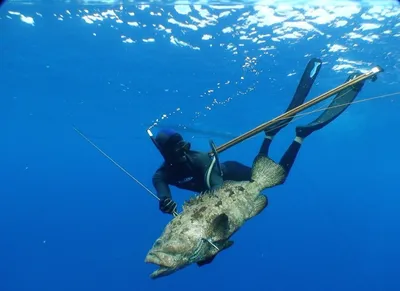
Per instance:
(306,82)
(266,173)
(303,89)
(340,103)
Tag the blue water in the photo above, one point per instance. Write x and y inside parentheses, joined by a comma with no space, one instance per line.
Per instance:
(71,220)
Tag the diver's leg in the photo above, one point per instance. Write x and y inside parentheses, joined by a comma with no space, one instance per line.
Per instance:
(235,171)
(290,155)
(303,88)
(341,101)
(264,149)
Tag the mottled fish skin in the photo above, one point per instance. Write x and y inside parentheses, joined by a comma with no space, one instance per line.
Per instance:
(214,216)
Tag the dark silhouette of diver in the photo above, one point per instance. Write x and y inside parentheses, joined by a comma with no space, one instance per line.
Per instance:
(193,170)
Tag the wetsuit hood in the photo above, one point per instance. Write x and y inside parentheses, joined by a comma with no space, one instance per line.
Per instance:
(171,145)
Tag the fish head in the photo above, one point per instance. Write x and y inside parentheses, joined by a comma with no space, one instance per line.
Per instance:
(169,255)
(177,248)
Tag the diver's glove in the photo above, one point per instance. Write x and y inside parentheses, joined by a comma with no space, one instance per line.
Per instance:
(167,205)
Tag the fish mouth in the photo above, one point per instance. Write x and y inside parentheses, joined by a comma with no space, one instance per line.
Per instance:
(163,270)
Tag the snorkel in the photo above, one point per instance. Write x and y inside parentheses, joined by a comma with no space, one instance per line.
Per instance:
(151,135)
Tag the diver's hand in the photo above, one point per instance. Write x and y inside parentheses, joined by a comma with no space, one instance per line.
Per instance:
(167,205)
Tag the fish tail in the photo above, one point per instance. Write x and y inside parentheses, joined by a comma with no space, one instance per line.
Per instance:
(266,173)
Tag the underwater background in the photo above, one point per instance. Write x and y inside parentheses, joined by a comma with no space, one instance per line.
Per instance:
(71,220)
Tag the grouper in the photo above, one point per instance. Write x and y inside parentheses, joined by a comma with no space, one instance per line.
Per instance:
(208,220)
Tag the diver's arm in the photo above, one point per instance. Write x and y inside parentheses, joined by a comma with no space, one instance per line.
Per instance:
(160,184)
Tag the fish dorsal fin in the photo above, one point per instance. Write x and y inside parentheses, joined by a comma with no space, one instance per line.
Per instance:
(200,198)
(191,202)
(220,226)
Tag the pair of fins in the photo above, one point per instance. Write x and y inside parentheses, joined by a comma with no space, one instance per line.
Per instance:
(340,102)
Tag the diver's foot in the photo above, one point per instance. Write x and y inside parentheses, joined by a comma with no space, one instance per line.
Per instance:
(303,131)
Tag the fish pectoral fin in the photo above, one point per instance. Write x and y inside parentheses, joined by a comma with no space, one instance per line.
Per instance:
(206,261)
(222,245)
(220,226)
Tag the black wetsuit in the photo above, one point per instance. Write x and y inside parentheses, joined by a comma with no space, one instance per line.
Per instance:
(192,175)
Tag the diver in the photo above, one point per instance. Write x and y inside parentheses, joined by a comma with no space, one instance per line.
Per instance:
(194,171)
